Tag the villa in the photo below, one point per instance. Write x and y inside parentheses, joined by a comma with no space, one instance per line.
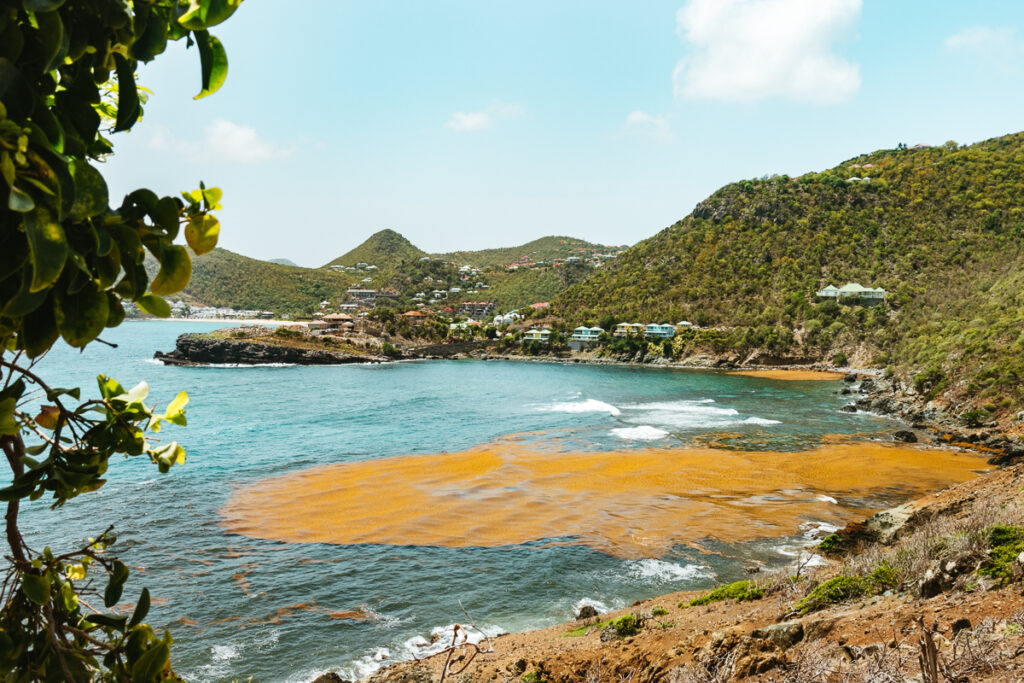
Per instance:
(586,334)
(630,330)
(655,331)
(851,290)
(542,336)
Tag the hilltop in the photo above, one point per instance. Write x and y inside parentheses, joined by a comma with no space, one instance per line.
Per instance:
(385,249)
(544,249)
(940,228)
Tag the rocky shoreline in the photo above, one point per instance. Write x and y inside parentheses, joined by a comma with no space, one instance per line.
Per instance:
(197,350)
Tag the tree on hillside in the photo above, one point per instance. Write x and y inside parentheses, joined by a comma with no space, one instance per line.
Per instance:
(68,263)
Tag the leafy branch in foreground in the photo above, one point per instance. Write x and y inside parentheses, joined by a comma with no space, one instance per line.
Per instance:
(68,263)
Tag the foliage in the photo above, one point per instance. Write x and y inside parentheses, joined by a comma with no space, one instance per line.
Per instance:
(224,278)
(750,257)
(837,589)
(543,249)
(832,544)
(1006,544)
(68,261)
(658,611)
(739,591)
(625,626)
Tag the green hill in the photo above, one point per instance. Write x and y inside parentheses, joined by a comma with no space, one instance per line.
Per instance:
(224,278)
(543,249)
(385,249)
(940,228)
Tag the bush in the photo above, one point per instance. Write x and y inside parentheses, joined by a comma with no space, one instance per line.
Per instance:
(389,350)
(740,591)
(973,418)
(832,544)
(836,589)
(1006,543)
(658,611)
(839,360)
(626,626)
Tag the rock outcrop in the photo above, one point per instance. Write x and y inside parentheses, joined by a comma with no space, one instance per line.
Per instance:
(193,349)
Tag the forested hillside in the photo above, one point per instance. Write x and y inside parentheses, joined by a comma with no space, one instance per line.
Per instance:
(385,249)
(224,278)
(940,228)
(543,249)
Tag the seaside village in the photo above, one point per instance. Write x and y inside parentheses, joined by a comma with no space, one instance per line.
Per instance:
(369,313)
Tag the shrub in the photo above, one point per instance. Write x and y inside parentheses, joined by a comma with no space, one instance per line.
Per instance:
(1006,543)
(832,544)
(658,611)
(389,350)
(884,577)
(626,626)
(973,418)
(836,589)
(839,359)
(739,591)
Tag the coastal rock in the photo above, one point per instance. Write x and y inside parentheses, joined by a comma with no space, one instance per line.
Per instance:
(849,408)
(782,635)
(193,349)
(587,612)
(330,677)
(905,436)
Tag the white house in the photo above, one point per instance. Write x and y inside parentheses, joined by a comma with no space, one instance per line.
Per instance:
(655,331)
(542,336)
(586,334)
(851,290)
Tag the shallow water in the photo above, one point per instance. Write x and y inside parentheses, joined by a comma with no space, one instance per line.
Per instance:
(280,610)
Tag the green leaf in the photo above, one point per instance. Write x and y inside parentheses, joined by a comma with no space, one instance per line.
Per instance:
(154,305)
(212,195)
(213,60)
(109,387)
(91,195)
(165,214)
(128,108)
(36,588)
(151,663)
(175,412)
(25,300)
(201,233)
(202,14)
(7,170)
(68,597)
(39,330)
(20,201)
(81,316)
(48,247)
(141,610)
(175,271)
(51,35)
(153,40)
(115,584)
(117,623)
(8,425)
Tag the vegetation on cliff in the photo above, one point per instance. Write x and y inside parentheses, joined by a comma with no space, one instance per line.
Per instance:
(940,228)
(385,249)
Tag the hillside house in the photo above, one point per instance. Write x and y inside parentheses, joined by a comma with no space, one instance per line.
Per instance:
(542,336)
(415,318)
(336,322)
(656,331)
(364,296)
(630,330)
(851,290)
(586,334)
(476,309)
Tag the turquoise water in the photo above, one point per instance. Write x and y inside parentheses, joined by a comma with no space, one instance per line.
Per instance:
(262,609)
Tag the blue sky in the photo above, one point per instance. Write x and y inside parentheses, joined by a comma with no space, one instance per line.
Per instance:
(467,125)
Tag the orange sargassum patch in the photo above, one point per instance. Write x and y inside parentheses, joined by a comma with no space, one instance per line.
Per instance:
(629,503)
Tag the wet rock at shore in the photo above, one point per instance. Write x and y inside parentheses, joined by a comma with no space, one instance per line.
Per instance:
(904,436)
(330,677)
(849,408)
(586,612)
(193,349)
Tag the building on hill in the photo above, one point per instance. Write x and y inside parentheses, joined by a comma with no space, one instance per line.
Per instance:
(415,318)
(541,304)
(476,309)
(366,297)
(851,290)
(656,331)
(542,336)
(336,322)
(630,330)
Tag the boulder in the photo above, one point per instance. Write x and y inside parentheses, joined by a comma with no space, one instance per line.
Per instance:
(783,635)
(587,612)
(329,677)
(850,377)
(849,408)
(934,582)
(905,436)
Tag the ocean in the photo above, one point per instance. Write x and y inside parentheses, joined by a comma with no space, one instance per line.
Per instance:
(336,518)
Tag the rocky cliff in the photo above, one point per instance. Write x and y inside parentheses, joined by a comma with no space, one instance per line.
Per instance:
(193,349)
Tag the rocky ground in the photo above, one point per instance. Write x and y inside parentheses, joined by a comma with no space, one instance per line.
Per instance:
(945,594)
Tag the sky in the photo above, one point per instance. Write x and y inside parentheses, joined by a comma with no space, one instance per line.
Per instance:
(474,124)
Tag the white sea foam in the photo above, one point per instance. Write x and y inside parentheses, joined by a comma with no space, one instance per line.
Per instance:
(223,653)
(590,405)
(650,569)
(694,407)
(826,499)
(441,638)
(761,421)
(642,433)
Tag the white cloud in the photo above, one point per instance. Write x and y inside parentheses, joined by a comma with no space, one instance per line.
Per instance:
(223,141)
(980,37)
(651,126)
(749,50)
(482,120)
(462,121)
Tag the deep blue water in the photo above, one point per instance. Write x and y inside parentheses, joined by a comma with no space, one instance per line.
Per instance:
(250,423)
